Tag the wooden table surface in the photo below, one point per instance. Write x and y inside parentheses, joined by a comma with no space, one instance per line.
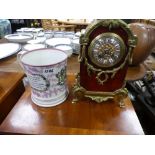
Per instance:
(84,117)
(11,88)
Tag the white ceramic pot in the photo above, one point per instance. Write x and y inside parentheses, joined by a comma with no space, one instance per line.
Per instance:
(30,47)
(19,38)
(46,72)
(57,41)
(66,48)
(58,34)
(69,35)
(38,40)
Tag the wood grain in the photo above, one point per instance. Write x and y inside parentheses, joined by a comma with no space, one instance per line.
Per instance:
(11,88)
(84,117)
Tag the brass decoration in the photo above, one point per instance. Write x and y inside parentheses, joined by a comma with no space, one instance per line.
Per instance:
(80,57)
(99,99)
(132,44)
(107,49)
(80,92)
(113,23)
(100,71)
(103,70)
(102,81)
(84,42)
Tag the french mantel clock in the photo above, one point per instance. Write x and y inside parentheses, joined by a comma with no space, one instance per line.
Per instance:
(106,51)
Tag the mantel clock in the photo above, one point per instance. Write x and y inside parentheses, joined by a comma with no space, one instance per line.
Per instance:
(106,51)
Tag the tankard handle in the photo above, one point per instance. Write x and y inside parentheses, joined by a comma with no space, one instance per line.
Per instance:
(19,58)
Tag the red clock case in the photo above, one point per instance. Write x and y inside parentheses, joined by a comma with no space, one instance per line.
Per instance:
(102,82)
(89,82)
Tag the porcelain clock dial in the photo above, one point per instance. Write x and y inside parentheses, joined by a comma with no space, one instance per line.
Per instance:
(106,50)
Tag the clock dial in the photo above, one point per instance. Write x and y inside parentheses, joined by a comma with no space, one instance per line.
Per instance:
(106,50)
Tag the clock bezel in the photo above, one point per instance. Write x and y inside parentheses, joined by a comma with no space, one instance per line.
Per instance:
(107,34)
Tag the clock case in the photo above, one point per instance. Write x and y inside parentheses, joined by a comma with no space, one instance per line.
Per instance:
(100,83)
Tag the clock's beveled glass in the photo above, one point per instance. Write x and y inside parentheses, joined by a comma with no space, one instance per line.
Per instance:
(106,50)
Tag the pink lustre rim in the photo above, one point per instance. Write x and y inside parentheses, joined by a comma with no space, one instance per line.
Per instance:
(45,50)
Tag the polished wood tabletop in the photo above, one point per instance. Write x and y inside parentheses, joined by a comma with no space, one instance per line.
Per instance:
(11,88)
(83,117)
(7,81)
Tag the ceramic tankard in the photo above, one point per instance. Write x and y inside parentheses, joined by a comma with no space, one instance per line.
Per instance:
(46,72)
